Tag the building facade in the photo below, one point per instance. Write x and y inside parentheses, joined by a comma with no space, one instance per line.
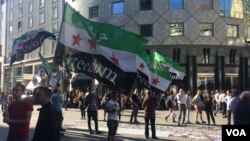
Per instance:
(207,37)
(22,16)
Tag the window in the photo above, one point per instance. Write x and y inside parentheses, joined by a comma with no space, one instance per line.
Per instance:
(54,12)
(177,54)
(118,7)
(19,26)
(206,29)
(232,31)
(11,16)
(41,17)
(10,29)
(28,70)
(11,3)
(146,30)
(54,27)
(20,12)
(93,12)
(41,3)
(176,29)
(176,4)
(54,0)
(206,4)
(20,1)
(30,6)
(232,56)
(30,22)
(206,55)
(146,4)
(231,8)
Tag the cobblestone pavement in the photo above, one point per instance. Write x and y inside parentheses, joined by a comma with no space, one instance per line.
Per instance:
(77,128)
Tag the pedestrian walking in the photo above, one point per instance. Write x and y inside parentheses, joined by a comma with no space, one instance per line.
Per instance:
(228,100)
(18,116)
(209,107)
(198,104)
(47,127)
(81,104)
(149,105)
(189,105)
(135,106)
(181,100)
(171,106)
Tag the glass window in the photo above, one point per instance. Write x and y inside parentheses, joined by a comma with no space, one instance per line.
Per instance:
(232,8)
(54,27)
(176,4)
(177,55)
(54,12)
(30,6)
(176,29)
(93,12)
(11,3)
(206,55)
(118,7)
(232,55)
(206,29)
(11,16)
(30,22)
(19,26)
(20,12)
(41,17)
(146,4)
(10,29)
(20,1)
(232,31)
(206,4)
(41,3)
(54,0)
(147,30)
(28,70)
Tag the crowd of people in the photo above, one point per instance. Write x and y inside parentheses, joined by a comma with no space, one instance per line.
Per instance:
(18,111)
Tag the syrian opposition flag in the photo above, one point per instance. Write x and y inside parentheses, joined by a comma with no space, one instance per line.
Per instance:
(170,65)
(28,42)
(149,75)
(47,67)
(101,51)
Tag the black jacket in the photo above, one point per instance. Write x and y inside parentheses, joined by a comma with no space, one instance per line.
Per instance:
(47,128)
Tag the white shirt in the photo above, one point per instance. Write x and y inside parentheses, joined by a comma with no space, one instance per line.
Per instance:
(113,105)
(222,97)
(216,96)
(181,99)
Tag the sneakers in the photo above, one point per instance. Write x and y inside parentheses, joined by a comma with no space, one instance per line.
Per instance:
(155,138)
(203,122)
(197,122)
(179,124)
(137,122)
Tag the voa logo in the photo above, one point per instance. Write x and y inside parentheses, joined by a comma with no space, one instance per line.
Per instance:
(236,132)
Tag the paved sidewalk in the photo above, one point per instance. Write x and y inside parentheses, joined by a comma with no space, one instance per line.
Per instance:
(77,128)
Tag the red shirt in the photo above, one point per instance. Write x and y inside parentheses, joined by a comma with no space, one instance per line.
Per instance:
(18,110)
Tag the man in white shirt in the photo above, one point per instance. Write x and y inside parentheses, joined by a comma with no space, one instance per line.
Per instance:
(181,100)
(113,109)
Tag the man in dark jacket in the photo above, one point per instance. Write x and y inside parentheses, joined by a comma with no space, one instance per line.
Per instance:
(47,128)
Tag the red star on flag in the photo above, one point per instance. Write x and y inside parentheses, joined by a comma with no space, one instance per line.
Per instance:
(155,81)
(77,39)
(142,66)
(115,60)
(92,44)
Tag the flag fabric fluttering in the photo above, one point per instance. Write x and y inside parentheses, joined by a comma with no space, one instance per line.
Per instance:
(46,65)
(101,51)
(149,74)
(28,42)
(169,65)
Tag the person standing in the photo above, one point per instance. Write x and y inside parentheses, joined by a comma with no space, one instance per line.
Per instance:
(149,105)
(135,103)
(18,116)
(228,100)
(198,106)
(113,109)
(209,107)
(47,128)
(171,105)
(56,101)
(242,111)
(82,106)
(91,103)
(181,100)
(189,104)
